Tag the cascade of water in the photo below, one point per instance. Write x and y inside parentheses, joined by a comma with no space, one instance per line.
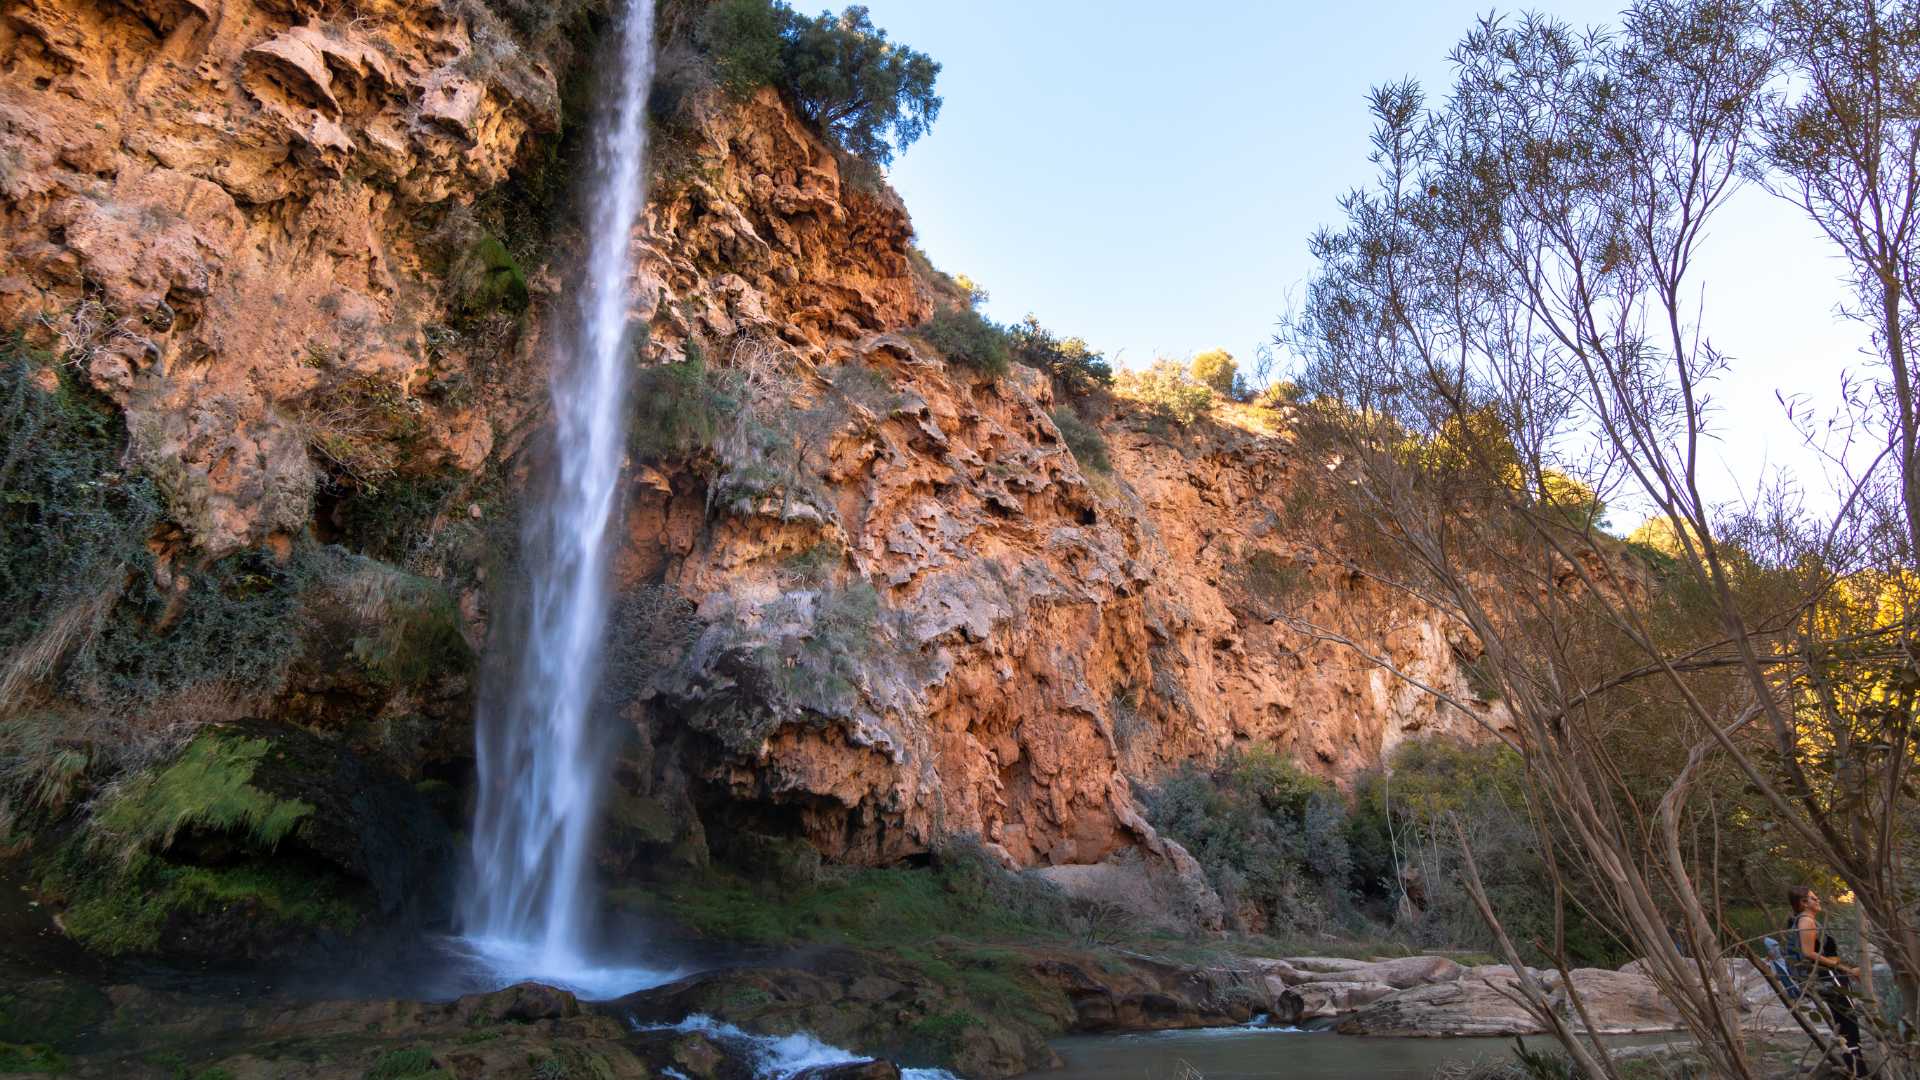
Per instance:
(526,902)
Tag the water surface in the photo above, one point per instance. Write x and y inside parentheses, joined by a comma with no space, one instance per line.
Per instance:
(1256,1053)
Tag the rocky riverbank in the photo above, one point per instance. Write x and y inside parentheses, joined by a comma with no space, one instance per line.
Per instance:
(827,1012)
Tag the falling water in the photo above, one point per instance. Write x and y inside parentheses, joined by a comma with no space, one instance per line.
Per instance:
(526,905)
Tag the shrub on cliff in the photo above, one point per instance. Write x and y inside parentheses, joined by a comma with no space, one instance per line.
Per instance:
(1074,367)
(1217,369)
(967,337)
(73,523)
(1089,447)
(1166,389)
(1271,838)
(872,96)
(680,409)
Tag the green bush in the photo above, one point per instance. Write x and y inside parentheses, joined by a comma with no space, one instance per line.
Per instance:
(238,622)
(680,409)
(1271,838)
(1280,395)
(967,337)
(412,1064)
(1406,820)
(30,1058)
(1089,447)
(417,635)
(121,889)
(1075,368)
(1167,390)
(73,524)
(872,96)
(1217,369)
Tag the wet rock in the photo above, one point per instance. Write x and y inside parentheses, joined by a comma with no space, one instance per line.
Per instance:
(1327,998)
(522,1003)
(865,1070)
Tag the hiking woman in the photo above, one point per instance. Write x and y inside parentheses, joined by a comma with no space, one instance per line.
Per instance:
(1815,960)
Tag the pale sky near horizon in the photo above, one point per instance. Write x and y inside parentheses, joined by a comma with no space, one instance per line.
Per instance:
(1146,175)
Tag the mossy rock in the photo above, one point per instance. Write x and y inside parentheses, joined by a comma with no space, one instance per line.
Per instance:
(254,837)
(31,1058)
(57,1011)
(502,285)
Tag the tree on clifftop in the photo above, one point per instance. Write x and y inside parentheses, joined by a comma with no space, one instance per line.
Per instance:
(872,96)
(1216,368)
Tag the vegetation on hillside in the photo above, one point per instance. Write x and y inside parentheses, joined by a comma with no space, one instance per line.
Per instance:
(1169,392)
(1512,303)
(871,96)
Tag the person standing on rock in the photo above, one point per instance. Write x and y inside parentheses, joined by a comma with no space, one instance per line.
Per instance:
(1814,958)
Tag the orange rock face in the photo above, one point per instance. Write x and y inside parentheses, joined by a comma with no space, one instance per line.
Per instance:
(912,613)
(1034,646)
(208,205)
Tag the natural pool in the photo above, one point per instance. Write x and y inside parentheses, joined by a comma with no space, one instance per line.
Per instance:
(1255,1053)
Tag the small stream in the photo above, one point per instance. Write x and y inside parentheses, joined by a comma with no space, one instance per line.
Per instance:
(1256,1053)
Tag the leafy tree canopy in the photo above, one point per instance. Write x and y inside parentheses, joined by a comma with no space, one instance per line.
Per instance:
(872,96)
(1216,368)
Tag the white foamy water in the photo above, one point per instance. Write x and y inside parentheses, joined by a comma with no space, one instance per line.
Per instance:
(527,900)
(780,1057)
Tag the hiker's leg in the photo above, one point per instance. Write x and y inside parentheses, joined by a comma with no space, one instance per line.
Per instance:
(1846,1024)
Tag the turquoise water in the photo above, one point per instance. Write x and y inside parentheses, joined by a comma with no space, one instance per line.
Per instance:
(1254,1053)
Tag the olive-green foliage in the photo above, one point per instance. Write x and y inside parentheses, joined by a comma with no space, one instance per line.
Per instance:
(122,890)
(1280,394)
(387,524)
(746,38)
(209,786)
(1268,834)
(127,911)
(497,280)
(1435,783)
(680,409)
(411,1064)
(1217,369)
(967,337)
(1076,369)
(238,622)
(962,893)
(1167,389)
(30,1058)
(538,22)
(417,635)
(1088,445)
(872,96)
(73,524)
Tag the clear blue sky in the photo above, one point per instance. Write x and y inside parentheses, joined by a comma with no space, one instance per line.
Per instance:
(1146,175)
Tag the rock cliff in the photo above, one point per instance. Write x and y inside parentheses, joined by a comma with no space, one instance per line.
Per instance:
(868,594)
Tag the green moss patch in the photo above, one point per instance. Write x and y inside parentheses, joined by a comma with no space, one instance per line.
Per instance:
(125,895)
(501,286)
(131,912)
(206,787)
(411,1064)
(30,1058)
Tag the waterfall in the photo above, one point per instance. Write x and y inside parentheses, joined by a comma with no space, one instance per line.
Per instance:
(527,902)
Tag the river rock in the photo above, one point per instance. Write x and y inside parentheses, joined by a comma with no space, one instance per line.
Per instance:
(1487,1001)
(1318,1000)
(1400,974)
(859,1070)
